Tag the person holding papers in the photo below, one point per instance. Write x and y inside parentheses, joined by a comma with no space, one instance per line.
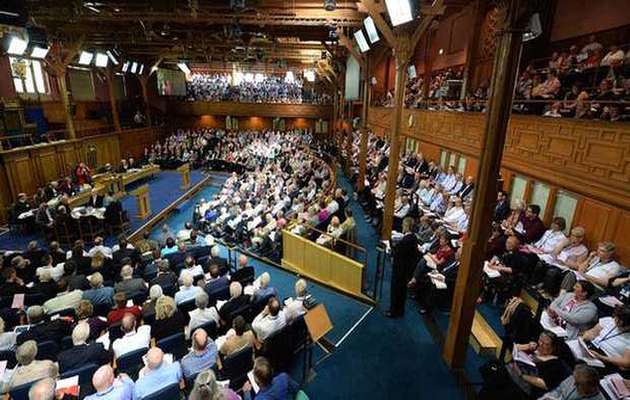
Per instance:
(573,310)
(609,340)
(504,274)
(433,261)
(598,268)
(536,367)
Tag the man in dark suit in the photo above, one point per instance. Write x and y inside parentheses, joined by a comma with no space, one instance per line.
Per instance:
(405,257)
(217,281)
(42,330)
(52,190)
(502,209)
(95,200)
(468,187)
(82,262)
(82,353)
(165,278)
(244,274)
(220,261)
(236,301)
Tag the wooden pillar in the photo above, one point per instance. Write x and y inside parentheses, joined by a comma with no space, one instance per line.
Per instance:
(112,99)
(471,47)
(428,66)
(144,82)
(469,276)
(402,56)
(349,138)
(65,101)
(364,123)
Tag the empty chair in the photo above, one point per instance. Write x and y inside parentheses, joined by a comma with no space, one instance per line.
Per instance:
(47,350)
(236,366)
(85,378)
(174,344)
(131,362)
(167,393)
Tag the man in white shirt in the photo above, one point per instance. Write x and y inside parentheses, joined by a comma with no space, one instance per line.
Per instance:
(551,239)
(190,267)
(202,314)
(454,213)
(64,300)
(184,234)
(100,247)
(132,339)
(55,272)
(186,291)
(598,268)
(270,320)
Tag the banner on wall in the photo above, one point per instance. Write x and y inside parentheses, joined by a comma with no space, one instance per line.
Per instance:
(353,79)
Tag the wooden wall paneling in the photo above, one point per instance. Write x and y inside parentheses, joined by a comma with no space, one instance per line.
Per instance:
(595,217)
(471,167)
(551,204)
(46,163)
(20,174)
(621,235)
(68,156)
(200,108)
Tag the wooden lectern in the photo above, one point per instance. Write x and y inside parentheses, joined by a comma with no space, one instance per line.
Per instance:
(142,197)
(185,171)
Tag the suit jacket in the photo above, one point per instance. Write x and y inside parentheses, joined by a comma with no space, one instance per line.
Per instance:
(501,211)
(405,252)
(243,274)
(47,330)
(465,190)
(95,202)
(165,280)
(131,287)
(78,356)
(217,285)
(233,305)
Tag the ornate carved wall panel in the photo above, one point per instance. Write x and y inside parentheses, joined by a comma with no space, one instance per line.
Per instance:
(199,108)
(588,158)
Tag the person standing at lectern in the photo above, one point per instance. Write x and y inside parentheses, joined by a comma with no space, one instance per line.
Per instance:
(405,256)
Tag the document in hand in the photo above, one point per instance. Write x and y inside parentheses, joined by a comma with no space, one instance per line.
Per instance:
(549,324)
(492,273)
(581,352)
(615,387)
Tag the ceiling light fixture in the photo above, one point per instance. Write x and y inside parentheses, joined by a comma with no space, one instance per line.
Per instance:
(39,52)
(134,67)
(112,57)
(184,68)
(17,46)
(125,66)
(101,60)
(399,11)
(370,28)
(360,38)
(86,58)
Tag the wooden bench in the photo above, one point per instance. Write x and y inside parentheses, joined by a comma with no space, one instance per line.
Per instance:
(483,339)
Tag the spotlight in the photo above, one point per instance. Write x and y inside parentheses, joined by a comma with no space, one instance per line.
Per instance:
(360,38)
(39,52)
(141,69)
(112,57)
(184,68)
(125,66)
(101,60)
(399,11)
(134,67)
(330,5)
(17,46)
(370,28)
(86,58)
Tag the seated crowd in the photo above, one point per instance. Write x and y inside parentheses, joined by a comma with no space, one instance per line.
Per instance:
(280,181)
(251,88)
(583,296)
(128,314)
(50,208)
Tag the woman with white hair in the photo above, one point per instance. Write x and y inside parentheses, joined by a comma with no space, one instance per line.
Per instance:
(264,290)
(29,369)
(294,307)
(202,314)
(206,388)
(186,291)
(148,309)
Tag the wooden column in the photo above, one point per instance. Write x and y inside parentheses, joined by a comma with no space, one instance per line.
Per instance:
(349,138)
(65,101)
(402,56)
(469,276)
(428,66)
(364,123)
(471,47)
(112,99)
(144,82)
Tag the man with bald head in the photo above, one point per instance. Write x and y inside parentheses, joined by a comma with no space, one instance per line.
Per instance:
(202,356)
(156,375)
(244,274)
(43,390)
(110,388)
(132,339)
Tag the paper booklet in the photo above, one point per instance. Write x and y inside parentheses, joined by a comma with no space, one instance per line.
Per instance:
(581,351)
(491,273)
(549,324)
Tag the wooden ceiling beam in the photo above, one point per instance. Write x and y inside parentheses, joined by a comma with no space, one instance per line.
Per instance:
(347,43)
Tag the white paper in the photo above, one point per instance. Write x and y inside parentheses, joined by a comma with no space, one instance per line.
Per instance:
(252,381)
(521,356)
(491,273)
(18,301)
(610,301)
(549,324)
(438,280)
(615,387)
(67,382)
(430,263)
